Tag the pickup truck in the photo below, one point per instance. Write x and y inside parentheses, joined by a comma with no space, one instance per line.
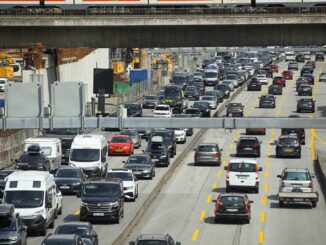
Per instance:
(296,187)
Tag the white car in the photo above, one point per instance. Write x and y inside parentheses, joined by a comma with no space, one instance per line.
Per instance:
(162,111)
(212,102)
(242,173)
(129,182)
(3,82)
(58,200)
(180,135)
(262,79)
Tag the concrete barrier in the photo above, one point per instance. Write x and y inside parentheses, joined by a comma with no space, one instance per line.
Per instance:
(320,170)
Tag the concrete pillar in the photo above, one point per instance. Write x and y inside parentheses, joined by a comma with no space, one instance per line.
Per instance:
(143,58)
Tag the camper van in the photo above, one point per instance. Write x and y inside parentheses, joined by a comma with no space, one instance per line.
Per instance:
(33,193)
(51,148)
(90,153)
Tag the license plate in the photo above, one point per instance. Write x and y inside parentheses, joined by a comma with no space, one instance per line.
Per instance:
(242,177)
(247,149)
(297,199)
(206,157)
(119,150)
(154,156)
(98,214)
(232,210)
(288,150)
(137,172)
(64,187)
(296,190)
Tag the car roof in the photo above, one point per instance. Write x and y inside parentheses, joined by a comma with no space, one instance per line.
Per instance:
(120,136)
(296,170)
(79,223)
(232,195)
(243,160)
(61,237)
(288,136)
(162,237)
(120,170)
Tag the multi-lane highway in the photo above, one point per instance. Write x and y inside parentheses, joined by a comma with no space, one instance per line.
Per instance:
(184,207)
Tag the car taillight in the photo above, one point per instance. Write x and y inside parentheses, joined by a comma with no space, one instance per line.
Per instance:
(302,133)
(229,168)
(255,146)
(310,185)
(282,184)
(246,205)
(218,205)
(198,154)
(216,154)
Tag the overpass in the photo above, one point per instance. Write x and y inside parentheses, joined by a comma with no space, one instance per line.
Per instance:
(173,28)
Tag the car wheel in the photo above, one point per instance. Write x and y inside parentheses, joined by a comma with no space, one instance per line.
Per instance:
(299,155)
(314,204)
(151,176)
(228,189)
(195,164)
(117,221)
(52,224)
(60,211)
(55,215)
(136,195)
(281,203)
(184,141)
(247,221)
(44,230)
(257,190)
(216,220)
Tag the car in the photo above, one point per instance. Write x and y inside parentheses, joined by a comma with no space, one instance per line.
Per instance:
(275,89)
(199,76)
(267,101)
(69,179)
(322,77)
(299,131)
(242,174)
(305,90)
(287,75)
(319,57)
(84,229)
(189,131)
(121,145)
(134,110)
(235,109)
(279,81)
(129,181)
(312,63)
(71,239)
(233,207)
(288,145)
(216,93)
(59,202)
(194,112)
(158,151)
(254,85)
(169,139)
(300,58)
(3,82)
(224,88)
(33,159)
(141,165)
(154,239)
(191,92)
(3,174)
(306,69)
(300,83)
(144,133)
(229,83)
(200,86)
(310,78)
(150,101)
(306,104)
(134,135)
(274,67)
(212,101)
(203,106)
(180,135)
(293,66)
(248,146)
(207,153)
(163,111)
(262,79)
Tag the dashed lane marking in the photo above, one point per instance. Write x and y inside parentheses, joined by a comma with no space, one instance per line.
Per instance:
(266,174)
(265,187)
(262,217)
(214,185)
(261,237)
(202,216)
(195,235)
(268,164)
(219,173)
(209,198)
(77,212)
(264,200)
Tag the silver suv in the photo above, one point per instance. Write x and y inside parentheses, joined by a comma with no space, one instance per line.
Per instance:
(296,180)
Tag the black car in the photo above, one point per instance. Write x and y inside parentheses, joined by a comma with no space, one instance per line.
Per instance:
(200,85)
(248,146)
(155,239)
(12,229)
(319,57)
(102,199)
(191,92)
(69,179)
(300,58)
(224,88)
(300,132)
(71,239)
(134,110)
(218,93)
(310,78)
(194,112)
(267,101)
(33,159)
(141,165)
(306,70)
(203,107)
(254,85)
(159,153)
(275,89)
(305,90)
(3,174)
(145,133)
(83,229)
(306,104)
(288,145)
(169,139)
(269,71)
(150,101)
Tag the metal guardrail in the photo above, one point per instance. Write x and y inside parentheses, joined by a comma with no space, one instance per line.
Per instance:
(146,11)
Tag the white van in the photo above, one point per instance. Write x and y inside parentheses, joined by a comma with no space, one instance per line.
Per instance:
(242,174)
(33,193)
(90,152)
(289,56)
(51,148)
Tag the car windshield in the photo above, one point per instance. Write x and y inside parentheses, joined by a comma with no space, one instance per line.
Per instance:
(288,141)
(31,158)
(100,189)
(138,160)
(161,108)
(166,137)
(121,175)
(68,173)
(159,148)
(235,105)
(119,140)
(82,231)
(207,148)
(133,106)
(222,87)
(200,105)
(242,167)
(292,130)
(24,199)
(85,155)
(4,174)
(8,224)
(192,89)
(208,98)
(151,242)
(198,74)
(232,200)
(303,176)
(151,98)
(211,74)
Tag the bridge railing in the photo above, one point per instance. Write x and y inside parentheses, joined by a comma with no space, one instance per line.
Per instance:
(103,11)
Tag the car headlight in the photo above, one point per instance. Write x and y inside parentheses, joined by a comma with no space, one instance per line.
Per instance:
(114,204)
(76,183)
(126,147)
(164,156)
(40,167)
(40,212)
(13,238)
(72,165)
(147,170)
(83,204)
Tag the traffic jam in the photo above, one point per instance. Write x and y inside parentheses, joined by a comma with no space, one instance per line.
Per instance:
(74,187)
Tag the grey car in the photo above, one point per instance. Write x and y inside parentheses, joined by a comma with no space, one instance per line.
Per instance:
(207,153)
(212,102)
(155,239)
(141,165)
(150,101)
(134,135)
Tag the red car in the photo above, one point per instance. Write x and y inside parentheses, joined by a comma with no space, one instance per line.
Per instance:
(279,81)
(121,145)
(274,67)
(288,75)
(312,63)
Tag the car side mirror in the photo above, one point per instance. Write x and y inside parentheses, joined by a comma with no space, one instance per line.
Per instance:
(260,169)
(235,141)
(124,162)
(78,194)
(251,201)
(131,243)
(178,243)
(221,149)
(312,176)
(143,151)
(214,200)
(260,142)
(278,176)
(225,168)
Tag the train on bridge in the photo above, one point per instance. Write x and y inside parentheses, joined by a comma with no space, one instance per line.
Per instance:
(85,4)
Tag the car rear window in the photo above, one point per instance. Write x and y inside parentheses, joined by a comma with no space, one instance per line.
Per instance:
(248,141)
(242,167)
(232,200)
(288,141)
(151,242)
(207,148)
(119,140)
(304,176)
